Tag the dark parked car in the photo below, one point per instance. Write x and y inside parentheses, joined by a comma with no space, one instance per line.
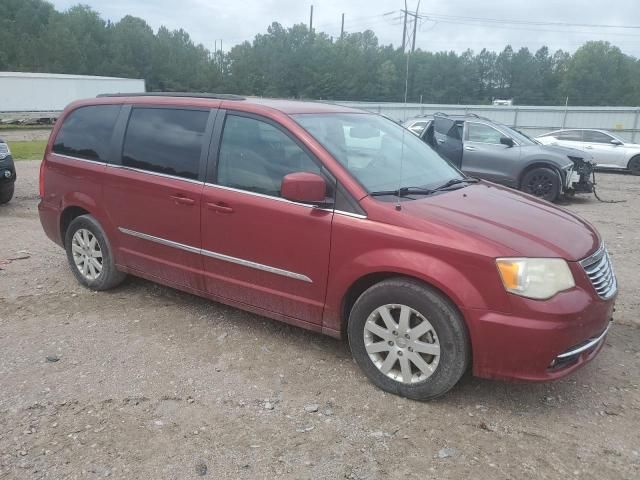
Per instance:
(489,150)
(331,219)
(7,173)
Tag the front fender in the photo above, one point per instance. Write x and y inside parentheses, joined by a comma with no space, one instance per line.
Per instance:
(456,274)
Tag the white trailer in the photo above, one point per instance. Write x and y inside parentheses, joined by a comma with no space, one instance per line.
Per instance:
(27,94)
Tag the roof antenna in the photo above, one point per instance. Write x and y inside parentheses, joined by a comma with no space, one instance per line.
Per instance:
(404,130)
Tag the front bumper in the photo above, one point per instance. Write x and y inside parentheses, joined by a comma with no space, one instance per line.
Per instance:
(544,340)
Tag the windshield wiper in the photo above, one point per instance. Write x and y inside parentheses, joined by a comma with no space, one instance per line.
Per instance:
(402,192)
(455,181)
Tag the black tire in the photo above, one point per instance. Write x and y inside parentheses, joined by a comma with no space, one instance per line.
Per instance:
(109,277)
(6,192)
(449,327)
(634,165)
(542,182)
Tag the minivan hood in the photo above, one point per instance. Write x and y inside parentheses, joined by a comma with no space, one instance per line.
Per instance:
(516,223)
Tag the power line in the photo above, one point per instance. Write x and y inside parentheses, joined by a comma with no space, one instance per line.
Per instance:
(525,22)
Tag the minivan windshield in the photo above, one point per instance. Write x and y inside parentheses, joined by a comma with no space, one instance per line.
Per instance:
(379,153)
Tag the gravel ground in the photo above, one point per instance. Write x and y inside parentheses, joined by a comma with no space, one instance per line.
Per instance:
(148,382)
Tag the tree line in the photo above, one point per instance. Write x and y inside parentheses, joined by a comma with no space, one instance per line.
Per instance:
(298,63)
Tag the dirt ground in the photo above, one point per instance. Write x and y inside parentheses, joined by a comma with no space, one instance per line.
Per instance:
(146,382)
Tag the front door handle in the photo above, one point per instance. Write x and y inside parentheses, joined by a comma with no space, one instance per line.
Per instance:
(470,149)
(589,147)
(219,207)
(181,199)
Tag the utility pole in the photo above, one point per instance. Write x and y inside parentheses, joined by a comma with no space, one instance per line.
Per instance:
(342,28)
(415,27)
(311,20)
(404,30)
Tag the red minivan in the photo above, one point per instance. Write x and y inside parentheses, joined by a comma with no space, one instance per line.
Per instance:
(332,219)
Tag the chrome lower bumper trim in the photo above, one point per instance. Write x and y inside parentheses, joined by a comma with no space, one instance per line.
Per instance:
(587,346)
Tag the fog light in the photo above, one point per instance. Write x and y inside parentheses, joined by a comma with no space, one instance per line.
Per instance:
(7,174)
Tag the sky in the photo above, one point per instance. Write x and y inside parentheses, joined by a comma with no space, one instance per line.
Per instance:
(445,25)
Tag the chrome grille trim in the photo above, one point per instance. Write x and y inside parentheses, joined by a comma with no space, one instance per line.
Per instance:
(599,269)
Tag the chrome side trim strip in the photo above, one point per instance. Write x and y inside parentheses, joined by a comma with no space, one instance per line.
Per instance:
(280,199)
(217,256)
(257,266)
(157,174)
(94,162)
(162,241)
(256,194)
(590,344)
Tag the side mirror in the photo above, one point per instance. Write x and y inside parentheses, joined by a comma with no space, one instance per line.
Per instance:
(616,142)
(304,187)
(508,141)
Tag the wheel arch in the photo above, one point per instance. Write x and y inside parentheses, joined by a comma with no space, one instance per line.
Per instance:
(365,282)
(632,159)
(67,216)
(541,164)
(362,284)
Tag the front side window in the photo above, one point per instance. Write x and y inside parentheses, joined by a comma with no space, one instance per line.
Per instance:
(86,133)
(477,132)
(165,140)
(255,156)
(591,136)
(379,153)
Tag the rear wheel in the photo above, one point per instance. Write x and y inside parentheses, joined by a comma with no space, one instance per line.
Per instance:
(408,339)
(541,182)
(6,192)
(89,254)
(634,165)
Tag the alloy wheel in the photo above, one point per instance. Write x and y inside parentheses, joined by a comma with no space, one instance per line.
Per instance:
(402,343)
(540,185)
(87,254)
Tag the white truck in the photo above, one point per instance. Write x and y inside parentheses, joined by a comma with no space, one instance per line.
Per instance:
(40,97)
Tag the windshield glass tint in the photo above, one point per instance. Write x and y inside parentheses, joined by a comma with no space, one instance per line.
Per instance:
(377,151)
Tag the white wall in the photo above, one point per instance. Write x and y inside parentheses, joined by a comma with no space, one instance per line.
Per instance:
(20,92)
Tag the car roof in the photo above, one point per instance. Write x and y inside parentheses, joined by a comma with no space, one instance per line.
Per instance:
(578,130)
(233,102)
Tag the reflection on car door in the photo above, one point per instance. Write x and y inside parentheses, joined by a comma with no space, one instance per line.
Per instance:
(153,195)
(484,156)
(260,249)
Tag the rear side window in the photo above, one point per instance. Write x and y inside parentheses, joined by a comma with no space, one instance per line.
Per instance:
(165,140)
(86,133)
(570,135)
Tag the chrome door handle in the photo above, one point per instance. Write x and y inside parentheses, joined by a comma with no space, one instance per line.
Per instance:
(470,149)
(219,207)
(589,147)
(180,199)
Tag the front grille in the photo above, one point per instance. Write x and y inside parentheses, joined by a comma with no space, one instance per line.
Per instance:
(600,271)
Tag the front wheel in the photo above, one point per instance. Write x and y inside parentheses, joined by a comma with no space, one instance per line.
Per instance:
(408,339)
(541,182)
(6,192)
(90,256)
(634,165)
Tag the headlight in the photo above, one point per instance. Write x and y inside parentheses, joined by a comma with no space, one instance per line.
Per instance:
(537,278)
(4,151)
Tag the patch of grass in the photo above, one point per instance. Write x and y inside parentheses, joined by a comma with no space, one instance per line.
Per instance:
(8,126)
(28,150)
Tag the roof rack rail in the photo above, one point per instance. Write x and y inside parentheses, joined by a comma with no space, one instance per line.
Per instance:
(217,96)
